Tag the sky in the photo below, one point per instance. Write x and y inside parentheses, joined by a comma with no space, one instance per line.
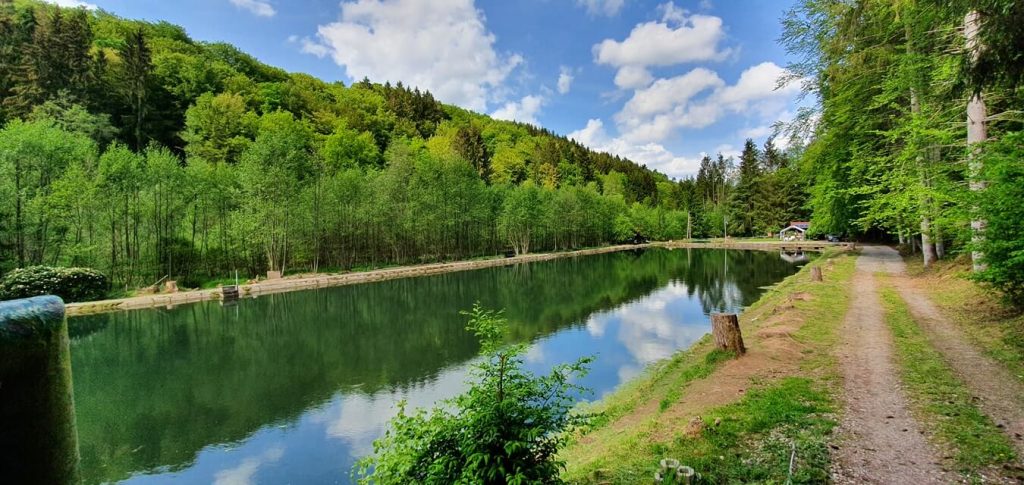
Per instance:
(661,83)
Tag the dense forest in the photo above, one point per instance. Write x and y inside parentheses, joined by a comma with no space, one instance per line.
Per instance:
(130,148)
(918,129)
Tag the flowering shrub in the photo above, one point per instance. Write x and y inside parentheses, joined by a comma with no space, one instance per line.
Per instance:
(71,284)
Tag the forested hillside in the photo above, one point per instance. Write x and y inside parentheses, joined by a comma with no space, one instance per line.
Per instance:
(918,132)
(130,148)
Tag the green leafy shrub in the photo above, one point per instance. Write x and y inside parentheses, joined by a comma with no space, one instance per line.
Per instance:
(1000,204)
(71,284)
(507,428)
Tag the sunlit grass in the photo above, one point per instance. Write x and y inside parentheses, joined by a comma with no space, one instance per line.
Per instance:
(996,329)
(758,433)
(939,397)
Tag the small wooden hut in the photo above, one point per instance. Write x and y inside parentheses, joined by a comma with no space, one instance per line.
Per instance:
(796,231)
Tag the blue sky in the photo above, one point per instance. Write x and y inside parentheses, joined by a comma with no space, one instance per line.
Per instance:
(658,82)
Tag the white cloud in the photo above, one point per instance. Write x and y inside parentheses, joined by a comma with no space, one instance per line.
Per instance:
(602,7)
(654,113)
(357,419)
(654,155)
(439,45)
(314,48)
(756,131)
(73,4)
(727,150)
(757,84)
(671,13)
(261,8)
(525,110)
(633,77)
(565,78)
(677,38)
(243,473)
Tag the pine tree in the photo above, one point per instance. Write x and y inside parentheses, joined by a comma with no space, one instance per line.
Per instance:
(746,195)
(136,63)
(469,144)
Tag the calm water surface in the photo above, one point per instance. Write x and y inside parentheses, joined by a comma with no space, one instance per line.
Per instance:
(294,388)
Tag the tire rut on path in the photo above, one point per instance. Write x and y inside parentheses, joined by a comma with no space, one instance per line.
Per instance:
(997,393)
(880,442)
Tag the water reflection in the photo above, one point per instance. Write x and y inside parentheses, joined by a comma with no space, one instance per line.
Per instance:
(295,387)
(794,257)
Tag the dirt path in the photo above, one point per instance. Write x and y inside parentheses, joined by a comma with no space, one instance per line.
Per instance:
(880,442)
(997,393)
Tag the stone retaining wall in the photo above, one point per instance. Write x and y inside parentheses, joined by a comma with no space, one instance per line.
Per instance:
(323,281)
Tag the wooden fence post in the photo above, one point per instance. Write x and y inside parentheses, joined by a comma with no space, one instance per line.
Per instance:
(816,273)
(725,329)
(38,438)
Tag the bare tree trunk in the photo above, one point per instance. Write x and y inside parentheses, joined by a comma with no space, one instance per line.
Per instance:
(927,246)
(976,132)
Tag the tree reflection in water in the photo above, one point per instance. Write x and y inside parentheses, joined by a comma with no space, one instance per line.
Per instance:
(297,385)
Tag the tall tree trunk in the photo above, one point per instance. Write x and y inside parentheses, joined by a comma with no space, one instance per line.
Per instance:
(927,246)
(976,132)
(19,218)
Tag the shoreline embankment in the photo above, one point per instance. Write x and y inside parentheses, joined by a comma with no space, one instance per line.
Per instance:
(308,282)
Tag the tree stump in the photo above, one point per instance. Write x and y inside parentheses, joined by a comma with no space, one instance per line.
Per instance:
(725,328)
(816,273)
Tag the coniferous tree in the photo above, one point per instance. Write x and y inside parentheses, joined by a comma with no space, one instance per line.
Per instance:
(136,64)
(746,196)
(469,144)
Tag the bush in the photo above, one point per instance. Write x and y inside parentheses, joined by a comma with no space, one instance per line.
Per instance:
(507,428)
(71,284)
(1000,205)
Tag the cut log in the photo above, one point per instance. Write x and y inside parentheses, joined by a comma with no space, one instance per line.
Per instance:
(725,329)
(816,273)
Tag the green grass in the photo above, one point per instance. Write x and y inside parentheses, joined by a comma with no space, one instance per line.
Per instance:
(825,312)
(213,283)
(992,326)
(658,380)
(753,442)
(712,360)
(940,399)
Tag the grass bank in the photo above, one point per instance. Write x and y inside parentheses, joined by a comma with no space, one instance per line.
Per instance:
(988,323)
(941,401)
(764,417)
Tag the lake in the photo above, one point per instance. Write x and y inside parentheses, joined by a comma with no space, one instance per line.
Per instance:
(294,387)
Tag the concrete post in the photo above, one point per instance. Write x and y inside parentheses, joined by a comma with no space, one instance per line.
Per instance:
(38,438)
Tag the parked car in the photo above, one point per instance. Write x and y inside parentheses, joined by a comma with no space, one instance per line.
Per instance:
(833,238)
